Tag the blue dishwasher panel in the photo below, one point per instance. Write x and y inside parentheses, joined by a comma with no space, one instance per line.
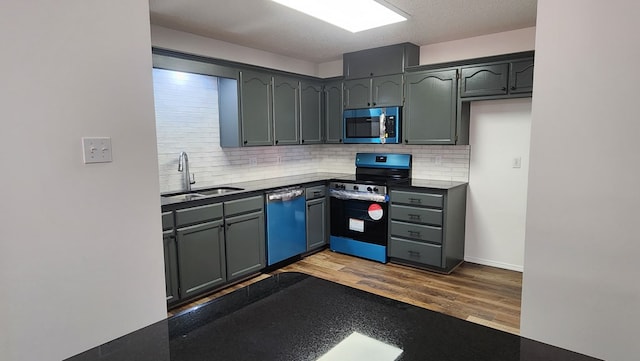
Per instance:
(286,229)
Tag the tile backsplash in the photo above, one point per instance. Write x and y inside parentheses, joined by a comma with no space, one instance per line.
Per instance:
(187,120)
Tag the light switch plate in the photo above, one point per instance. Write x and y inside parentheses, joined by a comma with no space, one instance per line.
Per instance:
(516,162)
(97,150)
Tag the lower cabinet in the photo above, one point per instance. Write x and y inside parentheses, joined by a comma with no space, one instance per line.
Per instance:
(245,236)
(201,257)
(170,257)
(316,217)
(210,245)
(426,227)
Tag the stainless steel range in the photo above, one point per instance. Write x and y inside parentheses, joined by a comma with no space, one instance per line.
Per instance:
(359,204)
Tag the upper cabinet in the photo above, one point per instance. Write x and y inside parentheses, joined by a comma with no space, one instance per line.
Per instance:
(521,76)
(504,79)
(286,116)
(333,111)
(430,108)
(256,108)
(311,119)
(382,91)
(386,60)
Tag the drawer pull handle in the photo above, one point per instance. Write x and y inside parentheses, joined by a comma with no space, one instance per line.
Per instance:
(415,200)
(414,216)
(414,254)
(414,233)
(315,193)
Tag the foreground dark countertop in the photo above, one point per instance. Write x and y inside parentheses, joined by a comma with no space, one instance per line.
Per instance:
(292,316)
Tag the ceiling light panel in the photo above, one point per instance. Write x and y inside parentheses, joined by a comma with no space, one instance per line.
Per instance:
(352,15)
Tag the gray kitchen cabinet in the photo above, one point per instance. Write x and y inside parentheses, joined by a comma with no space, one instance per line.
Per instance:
(430,107)
(333,108)
(484,80)
(380,91)
(357,93)
(521,76)
(311,117)
(286,115)
(316,217)
(497,80)
(386,60)
(256,103)
(245,236)
(387,91)
(201,257)
(170,258)
(426,227)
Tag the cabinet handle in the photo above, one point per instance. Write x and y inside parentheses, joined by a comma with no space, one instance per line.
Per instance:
(340,140)
(276,142)
(504,88)
(414,233)
(370,74)
(246,141)
(406,141)
(513,88)
(415,200)
(374,104)
(368,104)
(414,216)
(303,141)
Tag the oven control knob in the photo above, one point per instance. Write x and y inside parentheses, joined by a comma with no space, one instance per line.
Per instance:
(355,188)
(375,189)
(369,189)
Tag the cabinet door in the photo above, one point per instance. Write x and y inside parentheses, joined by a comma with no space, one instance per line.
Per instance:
(245,244)
(316,223)
(333,112)
(484,80)
(311,112)
(430,107)
(521,76)
(357,94)
(170,266)
(256,105)
(286,111)
(200,257)
(387,91)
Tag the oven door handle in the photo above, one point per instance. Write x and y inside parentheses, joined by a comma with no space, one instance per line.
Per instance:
(360,196)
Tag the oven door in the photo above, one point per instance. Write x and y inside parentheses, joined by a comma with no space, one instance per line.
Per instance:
(361,220)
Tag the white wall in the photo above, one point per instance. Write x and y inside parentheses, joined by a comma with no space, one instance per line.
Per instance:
(165,38)
(80,251)
(486,45)
(580,287)
(497,193)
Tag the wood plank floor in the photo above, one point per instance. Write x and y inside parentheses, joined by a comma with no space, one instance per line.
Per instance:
(480,294)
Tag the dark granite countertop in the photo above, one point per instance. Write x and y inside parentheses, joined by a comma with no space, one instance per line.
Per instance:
(292,316)
(265,185)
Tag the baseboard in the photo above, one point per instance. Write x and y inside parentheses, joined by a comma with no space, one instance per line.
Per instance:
(488,262)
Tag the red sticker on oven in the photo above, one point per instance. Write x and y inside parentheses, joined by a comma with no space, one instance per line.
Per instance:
(375,212)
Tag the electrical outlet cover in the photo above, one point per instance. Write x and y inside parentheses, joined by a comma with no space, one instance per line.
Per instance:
(96,150)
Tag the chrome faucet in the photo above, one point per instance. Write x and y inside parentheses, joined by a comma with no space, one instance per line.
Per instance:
(183,166)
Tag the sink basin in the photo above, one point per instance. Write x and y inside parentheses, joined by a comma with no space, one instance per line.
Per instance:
(184,197)
(218,191)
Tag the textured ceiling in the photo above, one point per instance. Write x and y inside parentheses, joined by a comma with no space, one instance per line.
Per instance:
(269,26)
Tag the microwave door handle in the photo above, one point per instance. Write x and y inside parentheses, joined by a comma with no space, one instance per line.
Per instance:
(383,128)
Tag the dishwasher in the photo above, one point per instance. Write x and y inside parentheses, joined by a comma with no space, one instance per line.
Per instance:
(286,224)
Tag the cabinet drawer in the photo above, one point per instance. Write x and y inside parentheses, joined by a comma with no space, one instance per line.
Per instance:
(416,231)
(417,199)
(167,220)
(315,192)
(416,215)
(200,214)
(429,254)
(245,205)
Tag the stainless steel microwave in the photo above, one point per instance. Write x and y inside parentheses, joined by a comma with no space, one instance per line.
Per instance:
(372,125)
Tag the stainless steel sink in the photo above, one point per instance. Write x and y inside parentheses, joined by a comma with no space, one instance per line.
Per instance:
(183,197)
(218,191)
